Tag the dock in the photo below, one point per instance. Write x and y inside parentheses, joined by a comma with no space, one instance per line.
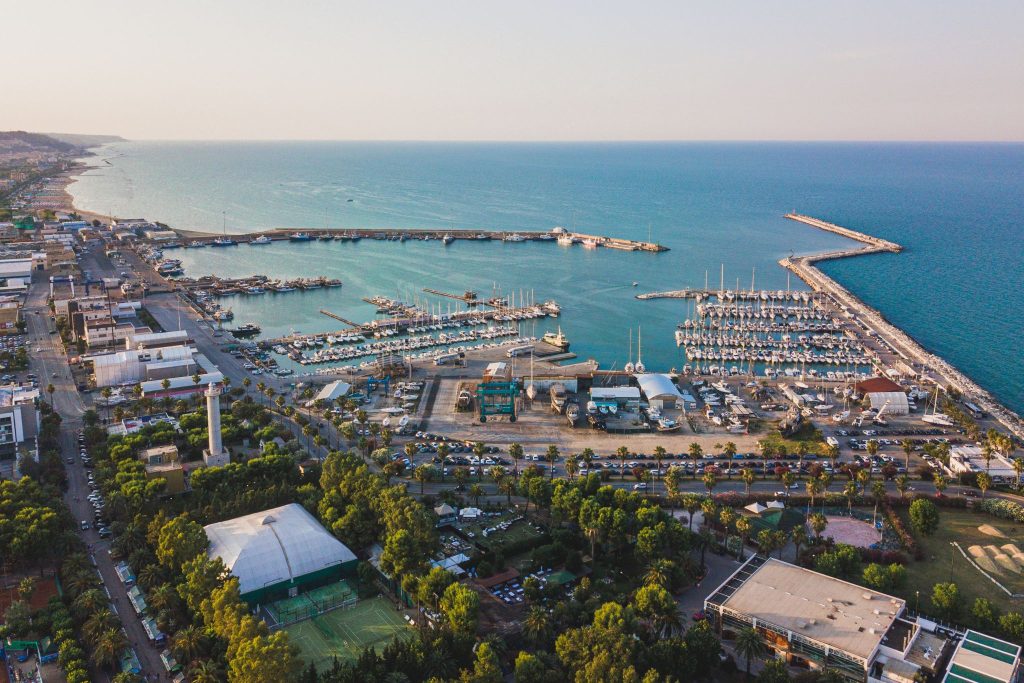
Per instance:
(443,237)
(877,242)
(469,297)
(340,319)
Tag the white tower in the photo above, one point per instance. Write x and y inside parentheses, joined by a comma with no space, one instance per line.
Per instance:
(215,455)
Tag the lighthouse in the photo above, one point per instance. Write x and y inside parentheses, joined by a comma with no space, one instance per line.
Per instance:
(215,455)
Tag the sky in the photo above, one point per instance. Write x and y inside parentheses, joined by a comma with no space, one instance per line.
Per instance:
(523,70)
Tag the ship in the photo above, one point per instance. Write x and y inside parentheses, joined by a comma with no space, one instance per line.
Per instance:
(247,330)
(559,340)
(262,239)
(447,239)
(223,242)
(299,237)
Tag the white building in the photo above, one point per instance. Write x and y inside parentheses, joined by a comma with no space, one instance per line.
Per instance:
(659,390)
(133,366)
(970,459)
(628,397)
(333,391)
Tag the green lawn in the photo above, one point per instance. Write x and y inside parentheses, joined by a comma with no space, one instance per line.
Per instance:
(498,539)
(344,633)
(944,563)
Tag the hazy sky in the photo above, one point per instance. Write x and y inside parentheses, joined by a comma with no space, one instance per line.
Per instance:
(521,70)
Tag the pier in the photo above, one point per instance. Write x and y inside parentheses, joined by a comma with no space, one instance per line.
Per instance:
(877,242)
(443,237)
(339,318)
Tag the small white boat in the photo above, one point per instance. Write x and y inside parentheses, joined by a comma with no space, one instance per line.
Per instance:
(262,239)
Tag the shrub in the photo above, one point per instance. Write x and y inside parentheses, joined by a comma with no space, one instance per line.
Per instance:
(924,516)
(906,540)
(1004,509)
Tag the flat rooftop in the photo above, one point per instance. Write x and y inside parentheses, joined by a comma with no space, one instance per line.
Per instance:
(983,659)
(842,615)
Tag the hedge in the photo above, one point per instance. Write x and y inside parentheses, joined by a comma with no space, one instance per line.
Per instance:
(1004,509)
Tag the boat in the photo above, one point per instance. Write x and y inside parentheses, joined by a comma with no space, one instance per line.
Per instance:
(590,243)
(572,412)
(558,340)
(247,330)
(639,367)
(559,397)
(325,236)
(262,239)
(465,400)
(299,237)
(566,240)
(223,242)
(514,237)
(667,424)
(447,239)
(196,244)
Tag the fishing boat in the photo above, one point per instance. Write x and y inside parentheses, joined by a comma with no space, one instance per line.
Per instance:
(247,330)
(558,340)
(566,240)
(514,237)
(262,239)
(325,236)
(196,244)
(223,242)
(589,243)
(447,239)
(299,237)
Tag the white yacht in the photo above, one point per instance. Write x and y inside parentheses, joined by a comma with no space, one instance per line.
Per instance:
(514,237)
(558,340)
(262,239)
(566,240)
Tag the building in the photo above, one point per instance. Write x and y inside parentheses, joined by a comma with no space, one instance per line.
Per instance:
(279,552)
(180,387)
(106,331)
(971,459)
(817,621)
(883,392)
(164,462)
(333,391)
(659,390)
(620,397)
(134,366)
(157,340)
(19,427)
(983,658)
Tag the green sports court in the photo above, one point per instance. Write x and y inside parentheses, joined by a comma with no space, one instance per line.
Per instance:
(345,632)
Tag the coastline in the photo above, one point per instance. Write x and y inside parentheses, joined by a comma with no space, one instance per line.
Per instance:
(903,344)
(803,267)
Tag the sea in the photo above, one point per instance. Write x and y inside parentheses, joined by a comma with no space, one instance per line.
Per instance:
(957,208)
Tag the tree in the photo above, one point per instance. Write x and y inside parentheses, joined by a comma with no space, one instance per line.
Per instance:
(263,659)
(946,599)
(710,481)
(749,646)
(902,484)
(872,447)
(985,613)
(774,671)
(655,605)
(818,523)
(180,540)
(205,671)
(515,451)
(747,475)
(696,453)
(106,651)
(537,625)
(423,473)
(743,529)
(984,483)
(552,458)
(476,490)
(459,605)
(507,485)
(924,516)
(622,452)
(49,390)
(1012,625)
(486,668)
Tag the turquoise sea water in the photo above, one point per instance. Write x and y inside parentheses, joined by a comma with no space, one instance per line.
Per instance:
(956,207)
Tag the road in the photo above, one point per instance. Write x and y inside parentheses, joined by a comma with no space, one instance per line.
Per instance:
(48,360)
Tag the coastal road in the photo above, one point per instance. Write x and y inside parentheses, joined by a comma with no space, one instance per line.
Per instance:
(48,360)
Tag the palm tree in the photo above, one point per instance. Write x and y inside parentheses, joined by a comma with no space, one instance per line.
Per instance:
(984,482)
(801,452)
(536,624)
(863,478)
(691,503)
(749,646)
(410,452)
(813,489)
(572,466)
(479,449)
(710,481)
(747,475)
(727,517)
(1018,468)
(188,643)
(818,523)
(552,458)
(50,389)
(507,485)
(743,529)
(850,491)
(659,455)
(106,393)
(515,451)
(98,623)
(476,490)
(696,452)
(423,474)
(622,452)
(872,447)
(89,602)
(587,456)
(107,649)
(941,483)
(908,448)
(442,453)
(798,535)
(205,671)
(902,484)
(659,572)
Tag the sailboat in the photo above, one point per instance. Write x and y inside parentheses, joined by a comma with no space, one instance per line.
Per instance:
(629,367)
(639,367)
(224,241)
(935,417)
(531,389)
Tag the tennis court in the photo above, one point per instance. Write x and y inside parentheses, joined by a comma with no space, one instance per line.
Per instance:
(311,603)
(344,633)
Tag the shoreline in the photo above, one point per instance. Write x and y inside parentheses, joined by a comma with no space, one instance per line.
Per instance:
(910,350)
(803,267)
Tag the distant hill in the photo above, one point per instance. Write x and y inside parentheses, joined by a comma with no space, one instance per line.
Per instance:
(84,140)
(21,142)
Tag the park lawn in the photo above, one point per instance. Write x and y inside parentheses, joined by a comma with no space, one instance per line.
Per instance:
(943,561)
